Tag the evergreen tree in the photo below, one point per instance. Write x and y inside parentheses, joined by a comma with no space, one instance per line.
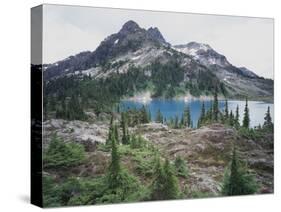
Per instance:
(165,185)
(170,92)
(187,116)
(118,108)
(182,122)
(116,134)
(210,115)
(61,109)
(71,109)
(234,174)
(171,186)
(216,106)
(203,110)
(159,181)
(149,115)
(181,167)
(84,101)
(144,115)
(267,120)
(226,110)
(176,125)
(114,168)
(231,119)
(52,103)
(134,141)
(246,118)
(202,115)
(110,131)
(238,181)
(74,109)
(60,154)
(236,119)
(64,108)
(159,117)
(125,134)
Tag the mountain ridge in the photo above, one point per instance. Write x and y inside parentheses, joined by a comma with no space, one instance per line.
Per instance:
(136,46)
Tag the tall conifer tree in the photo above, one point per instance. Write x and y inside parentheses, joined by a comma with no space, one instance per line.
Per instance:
(114,168)
(159,117)
(216,106)
(236,119)
(231,119)
(165,185)
(237,180)
(268,120)
(187,116)
(246,118)
(125,134)
(226,110)
(171,186)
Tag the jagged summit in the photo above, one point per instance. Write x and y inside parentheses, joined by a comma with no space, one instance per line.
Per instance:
(154,33)
(130,27)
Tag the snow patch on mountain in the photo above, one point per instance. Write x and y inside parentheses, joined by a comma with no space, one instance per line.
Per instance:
(203,53)
(116,41)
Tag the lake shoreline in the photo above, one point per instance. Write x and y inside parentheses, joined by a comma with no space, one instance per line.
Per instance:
(172,108)
(146,97)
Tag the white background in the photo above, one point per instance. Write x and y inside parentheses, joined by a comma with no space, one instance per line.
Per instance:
(15,106)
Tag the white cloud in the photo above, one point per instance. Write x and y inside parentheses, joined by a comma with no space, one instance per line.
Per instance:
(244,41)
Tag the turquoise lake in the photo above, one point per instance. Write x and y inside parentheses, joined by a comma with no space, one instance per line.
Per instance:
(173,107)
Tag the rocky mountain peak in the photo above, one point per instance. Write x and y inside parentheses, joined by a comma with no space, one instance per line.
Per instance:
(130,27)
(155,34)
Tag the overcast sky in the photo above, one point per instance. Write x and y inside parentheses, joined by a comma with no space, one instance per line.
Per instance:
(247,42)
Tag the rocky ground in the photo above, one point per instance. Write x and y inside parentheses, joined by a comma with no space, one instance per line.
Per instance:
(75,131)
(207,151)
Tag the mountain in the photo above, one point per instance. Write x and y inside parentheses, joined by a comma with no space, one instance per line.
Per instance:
(248,72)
(146,58)
(129,39)
(203,53)
(240,81)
